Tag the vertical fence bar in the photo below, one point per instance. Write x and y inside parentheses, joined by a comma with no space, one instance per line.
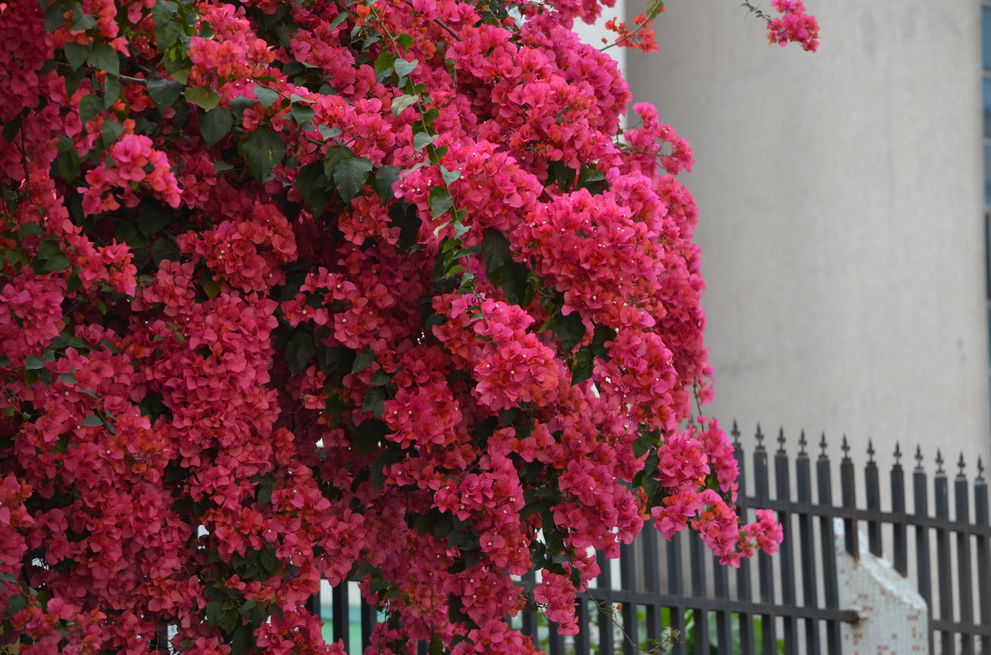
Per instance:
(698,555)
(676,587)
(765,566)
(803,479)
(983,554)
(923,567)
(341,621)
(369,616)
(941,494)
(872,488)
(785,557)
(849,494)
(651,579)
(966,594)
(831,590)
(743,589)
(724,618)
(606,609)
(582,641)
(899,527)
(530,618)
(628,579)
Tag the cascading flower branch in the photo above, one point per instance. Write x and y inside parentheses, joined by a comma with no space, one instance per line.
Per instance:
(378,290)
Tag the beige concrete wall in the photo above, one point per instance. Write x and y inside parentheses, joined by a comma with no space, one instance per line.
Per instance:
(841,215)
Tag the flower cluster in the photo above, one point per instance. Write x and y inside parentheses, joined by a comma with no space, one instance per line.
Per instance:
(291,292)
(794,26)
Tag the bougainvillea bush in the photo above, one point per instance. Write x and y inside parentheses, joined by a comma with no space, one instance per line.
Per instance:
(292,290)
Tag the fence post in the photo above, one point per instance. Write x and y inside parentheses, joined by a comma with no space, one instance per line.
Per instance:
(899,528)
(651,575)
(786,562)
(606,609)
(803,477)
(966,595)
(920,488)
(743,590)
(697,556)
(831,591)
(849,493)
(941,488)
(627,578)
(983,553)
(676,588)
(765,567)
(872,488)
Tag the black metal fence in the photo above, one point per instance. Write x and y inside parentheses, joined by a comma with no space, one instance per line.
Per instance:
(672,597)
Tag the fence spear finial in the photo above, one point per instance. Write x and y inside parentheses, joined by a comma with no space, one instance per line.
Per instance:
(898,454)
(760,438)
(822,445)
(960,465)
(781,440)
(939,461)
(802,443)
(736,434)
(870,450)
(845,448)
(918,458)
(980,468)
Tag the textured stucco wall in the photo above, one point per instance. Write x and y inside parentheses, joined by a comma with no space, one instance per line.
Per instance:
(841,215)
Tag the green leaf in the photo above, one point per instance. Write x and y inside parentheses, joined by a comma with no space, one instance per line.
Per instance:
(151,220)
(91,421)
(264,150)
(81,21)
(265,95)
(350,176)
(56,263)
(569,329)
(440,201)
(366,436)
(654,9)
(55,16)
(33,363)
(402,102)
(15,604)
(404,41)
(385,177)
(214,125)
(449,176)
(104,58)
(164,92)
(404,68)
(111,89)
(299,352)
(406,219)
(76,54)
(29,229)
(4,360)
(328,132)
(338,19)
(384,65)
(495,250)
(312,184)
(374,401)
(364,359)
(422,140)
(203,96)
(302,113)
(379,378)
(89,106)
(167,31)
(11,129)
